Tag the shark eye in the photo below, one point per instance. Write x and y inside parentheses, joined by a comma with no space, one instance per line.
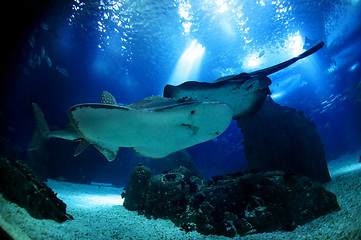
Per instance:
(192,112)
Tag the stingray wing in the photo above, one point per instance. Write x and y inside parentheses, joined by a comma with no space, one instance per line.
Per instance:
(245,97)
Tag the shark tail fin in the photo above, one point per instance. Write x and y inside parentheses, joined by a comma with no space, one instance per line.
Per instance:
(41,133)
(40,122)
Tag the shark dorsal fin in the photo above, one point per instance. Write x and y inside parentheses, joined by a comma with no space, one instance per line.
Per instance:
(108,98)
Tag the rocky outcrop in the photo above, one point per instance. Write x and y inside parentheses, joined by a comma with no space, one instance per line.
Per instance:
(135,194)
(19,185)
(281,138)
(228,205)
(173,160)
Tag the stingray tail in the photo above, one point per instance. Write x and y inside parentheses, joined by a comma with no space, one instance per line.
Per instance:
(311,50)
(41,133)
(280,66)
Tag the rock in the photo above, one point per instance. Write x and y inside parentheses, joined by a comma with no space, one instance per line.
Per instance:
(281,138)
(174,160)
(138,179)
(19,185)
(231,204)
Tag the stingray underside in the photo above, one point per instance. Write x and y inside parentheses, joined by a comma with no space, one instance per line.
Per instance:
(152,132)
(244,96)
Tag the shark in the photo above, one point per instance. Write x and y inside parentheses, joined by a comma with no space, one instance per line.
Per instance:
(153,127)
(244,92)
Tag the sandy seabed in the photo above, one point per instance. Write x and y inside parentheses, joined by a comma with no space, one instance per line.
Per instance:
(98,214)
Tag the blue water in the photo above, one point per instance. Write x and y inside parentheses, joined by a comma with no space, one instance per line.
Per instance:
(73,50)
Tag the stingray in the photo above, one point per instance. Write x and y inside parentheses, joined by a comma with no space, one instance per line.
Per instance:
(153,127)
(245,92)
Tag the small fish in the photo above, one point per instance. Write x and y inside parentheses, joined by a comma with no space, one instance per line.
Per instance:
(42,53)
(37,60)
(31,63)
(61,178)
(44,26)
(48,61)
(261,54)
(62,71)
(31,41)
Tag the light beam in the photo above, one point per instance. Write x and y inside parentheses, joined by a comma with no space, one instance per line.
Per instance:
(188,65)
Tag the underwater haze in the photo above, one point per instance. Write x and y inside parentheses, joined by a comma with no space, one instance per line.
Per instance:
(69,52)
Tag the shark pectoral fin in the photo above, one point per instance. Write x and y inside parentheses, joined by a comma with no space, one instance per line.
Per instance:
(110,154)
(81,147)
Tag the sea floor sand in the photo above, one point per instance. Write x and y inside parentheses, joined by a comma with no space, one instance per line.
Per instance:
(98,214)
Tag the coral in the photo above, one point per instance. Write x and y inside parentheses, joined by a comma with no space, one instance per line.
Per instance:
(231,204)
